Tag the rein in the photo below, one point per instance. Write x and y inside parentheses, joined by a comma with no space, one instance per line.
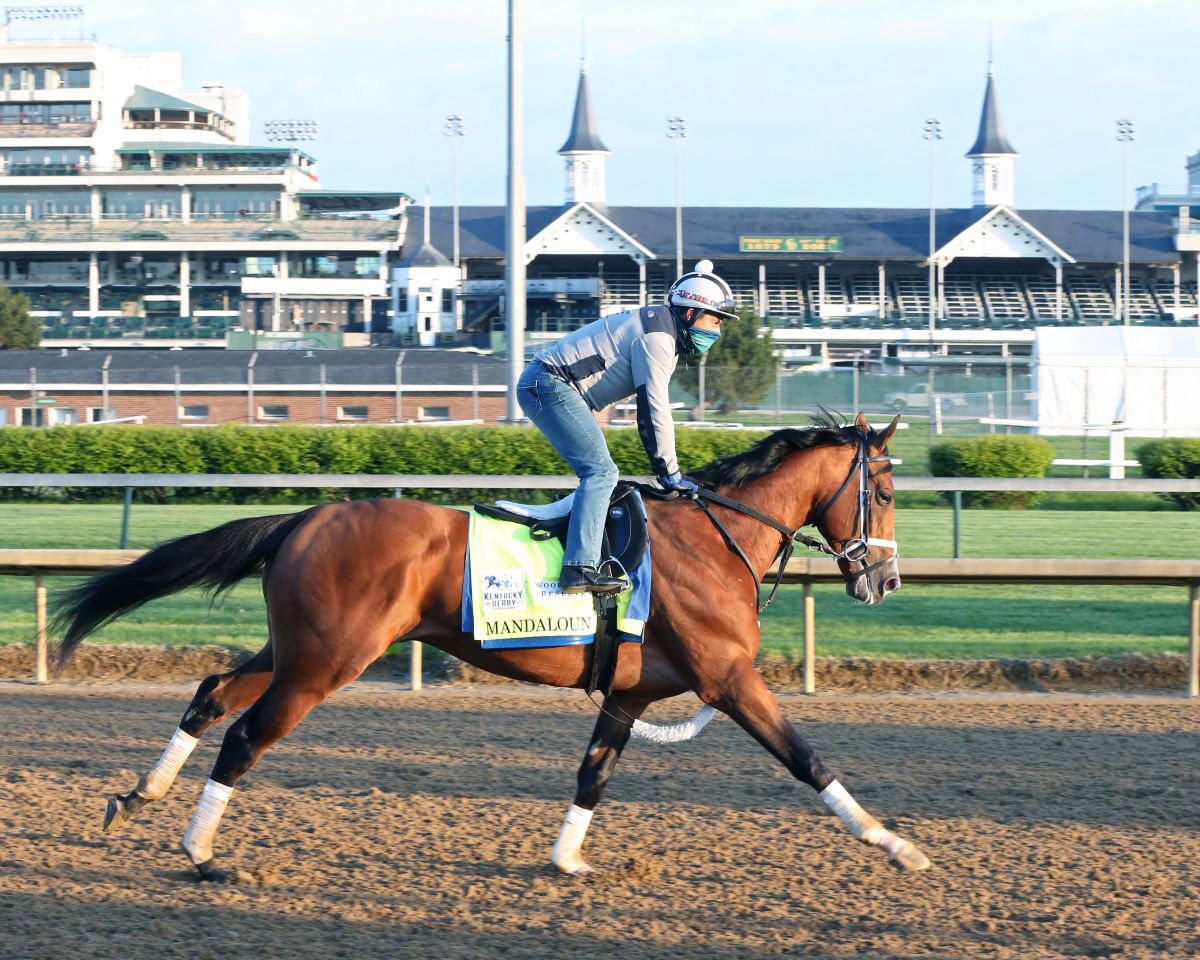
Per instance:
(853,551)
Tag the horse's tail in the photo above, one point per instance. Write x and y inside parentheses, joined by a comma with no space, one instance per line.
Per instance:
(215,559)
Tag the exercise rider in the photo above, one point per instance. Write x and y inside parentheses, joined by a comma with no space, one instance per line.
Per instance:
(608,360)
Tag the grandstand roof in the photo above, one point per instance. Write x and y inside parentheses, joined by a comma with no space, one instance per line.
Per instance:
(867,233)
(425,366)
(991,139)
(583,137)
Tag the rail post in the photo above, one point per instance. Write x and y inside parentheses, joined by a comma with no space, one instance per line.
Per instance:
(39,616)
(956,499)
(414,666)
(810,641)
(1194,640)
(126,506)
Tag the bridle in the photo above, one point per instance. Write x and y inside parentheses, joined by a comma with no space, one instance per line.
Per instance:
(854,550)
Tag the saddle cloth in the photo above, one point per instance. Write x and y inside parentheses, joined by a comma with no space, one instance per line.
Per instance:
(511,597)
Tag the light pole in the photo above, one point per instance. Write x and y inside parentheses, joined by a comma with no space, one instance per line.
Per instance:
(676,131)
(514,247)
(454,130)
(1125,137)
(932,133)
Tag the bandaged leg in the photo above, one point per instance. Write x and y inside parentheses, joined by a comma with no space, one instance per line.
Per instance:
(155,784)
(870,831)
(565,855)
(197,841)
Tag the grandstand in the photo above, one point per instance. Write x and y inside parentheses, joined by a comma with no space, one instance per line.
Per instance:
(187,238)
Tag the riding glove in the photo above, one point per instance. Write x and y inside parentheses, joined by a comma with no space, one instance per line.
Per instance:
(679,483)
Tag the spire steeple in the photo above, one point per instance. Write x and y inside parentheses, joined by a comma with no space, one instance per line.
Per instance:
(991,140)
(584,152)
(992,156)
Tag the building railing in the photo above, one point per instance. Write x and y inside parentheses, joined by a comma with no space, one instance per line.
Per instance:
(81,228)
(804,570)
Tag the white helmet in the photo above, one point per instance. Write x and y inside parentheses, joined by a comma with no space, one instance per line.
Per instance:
(703,290)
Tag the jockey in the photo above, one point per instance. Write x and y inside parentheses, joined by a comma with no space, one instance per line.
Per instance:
(608,360)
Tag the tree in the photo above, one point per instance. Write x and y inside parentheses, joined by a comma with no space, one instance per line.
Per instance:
(739,369)
(18,330)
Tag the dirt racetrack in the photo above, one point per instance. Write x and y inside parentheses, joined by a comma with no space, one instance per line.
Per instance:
(393,824)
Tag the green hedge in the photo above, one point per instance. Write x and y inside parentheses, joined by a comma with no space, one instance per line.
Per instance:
(993,455)
(297,449)
(1177,459)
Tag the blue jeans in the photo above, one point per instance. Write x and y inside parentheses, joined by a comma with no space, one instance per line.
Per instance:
(565,418)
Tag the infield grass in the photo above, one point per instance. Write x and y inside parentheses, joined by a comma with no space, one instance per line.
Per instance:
(925,620)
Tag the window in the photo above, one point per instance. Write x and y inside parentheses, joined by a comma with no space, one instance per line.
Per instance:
(96,414)
(273,412)
(199,412)
(447,301)
(402,301)
(64,415)
(32,416)
(433,413)
(352,413)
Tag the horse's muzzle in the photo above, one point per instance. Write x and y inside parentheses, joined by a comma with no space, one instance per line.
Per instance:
(874,582)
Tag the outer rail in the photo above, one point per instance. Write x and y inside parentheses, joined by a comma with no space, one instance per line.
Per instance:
(802,570)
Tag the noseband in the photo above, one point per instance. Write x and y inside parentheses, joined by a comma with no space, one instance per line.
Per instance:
(853,551)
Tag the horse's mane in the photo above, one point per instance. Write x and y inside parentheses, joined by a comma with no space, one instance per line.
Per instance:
(741,468)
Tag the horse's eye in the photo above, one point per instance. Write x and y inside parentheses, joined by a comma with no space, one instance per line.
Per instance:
(883,497)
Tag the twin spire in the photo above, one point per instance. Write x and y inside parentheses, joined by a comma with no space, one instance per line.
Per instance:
(584,152)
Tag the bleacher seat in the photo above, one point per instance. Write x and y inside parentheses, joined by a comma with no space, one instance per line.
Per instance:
(1004,298)
(1043,301)
(1091,298)
(912,296)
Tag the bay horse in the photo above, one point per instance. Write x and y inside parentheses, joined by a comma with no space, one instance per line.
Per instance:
(345,581)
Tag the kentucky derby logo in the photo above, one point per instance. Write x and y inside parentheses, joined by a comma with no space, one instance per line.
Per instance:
(504,590)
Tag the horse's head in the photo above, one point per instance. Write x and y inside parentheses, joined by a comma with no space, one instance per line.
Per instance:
(856,517)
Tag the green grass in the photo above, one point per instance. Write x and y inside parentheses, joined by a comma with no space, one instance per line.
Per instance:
(922,620)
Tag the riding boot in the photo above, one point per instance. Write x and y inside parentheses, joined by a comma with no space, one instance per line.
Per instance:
(587,579)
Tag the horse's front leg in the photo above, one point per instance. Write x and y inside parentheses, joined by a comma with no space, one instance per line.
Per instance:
(741,693)
(608,740)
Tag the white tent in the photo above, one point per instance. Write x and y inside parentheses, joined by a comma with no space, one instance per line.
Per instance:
(1147,378)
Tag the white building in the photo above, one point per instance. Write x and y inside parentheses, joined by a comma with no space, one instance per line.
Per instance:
(124,196)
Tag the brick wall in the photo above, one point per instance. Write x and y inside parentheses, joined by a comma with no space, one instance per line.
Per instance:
(160,407)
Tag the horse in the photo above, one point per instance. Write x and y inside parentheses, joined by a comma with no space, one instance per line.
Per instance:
(344,581)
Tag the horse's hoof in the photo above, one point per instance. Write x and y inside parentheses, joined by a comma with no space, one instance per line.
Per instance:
(210,873)
(117,813)
(908,858)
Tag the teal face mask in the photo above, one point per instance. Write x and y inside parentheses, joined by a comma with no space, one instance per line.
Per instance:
(702,340)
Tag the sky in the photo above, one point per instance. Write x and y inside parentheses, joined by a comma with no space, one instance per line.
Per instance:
(788,102)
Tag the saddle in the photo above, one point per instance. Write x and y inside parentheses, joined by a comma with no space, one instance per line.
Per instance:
(622,549)
(624,540)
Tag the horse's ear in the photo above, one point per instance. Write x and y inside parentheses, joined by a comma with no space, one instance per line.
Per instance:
(860,423)
(886,436)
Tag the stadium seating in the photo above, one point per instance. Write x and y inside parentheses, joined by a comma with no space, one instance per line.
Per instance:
(1005,300)
(1091,297)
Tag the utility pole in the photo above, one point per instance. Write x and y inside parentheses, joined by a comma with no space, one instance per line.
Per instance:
(933,133)
(677,131)
(1125,137)
(514,273)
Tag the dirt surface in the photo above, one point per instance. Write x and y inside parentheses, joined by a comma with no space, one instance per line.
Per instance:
(393,824)
(1165,672)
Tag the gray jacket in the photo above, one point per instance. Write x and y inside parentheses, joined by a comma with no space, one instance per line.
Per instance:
(621,355)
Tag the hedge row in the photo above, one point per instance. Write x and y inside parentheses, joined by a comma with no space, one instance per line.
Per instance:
(993,455)
(298,449)
(1173,460)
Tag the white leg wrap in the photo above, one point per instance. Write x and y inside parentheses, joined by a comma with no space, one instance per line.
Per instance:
(860,823)
(155,784)
(197,841)
(565,854)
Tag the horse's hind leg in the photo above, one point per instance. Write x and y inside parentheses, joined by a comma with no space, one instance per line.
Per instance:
(604,750)
(216,698)
(285,703)
(741,693)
